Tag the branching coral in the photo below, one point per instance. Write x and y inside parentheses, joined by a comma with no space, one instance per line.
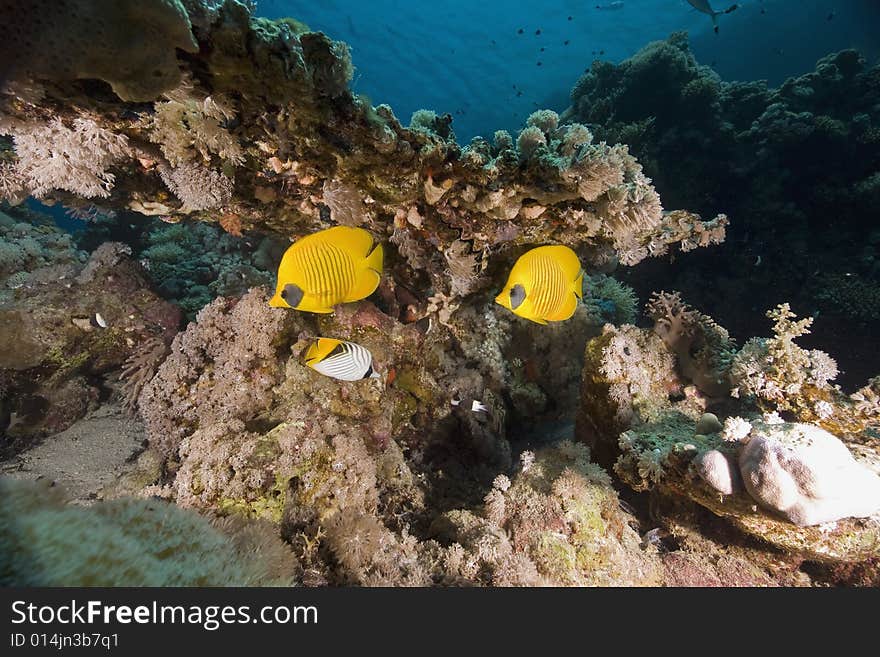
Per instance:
(778,373)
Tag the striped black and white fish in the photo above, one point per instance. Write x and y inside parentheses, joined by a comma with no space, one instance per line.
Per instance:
(341,360)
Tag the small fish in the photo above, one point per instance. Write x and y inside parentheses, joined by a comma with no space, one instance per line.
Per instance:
(476,405)
(98,321)
(704,7)
(544,285)
(341,360)
(610,6)
(331,266)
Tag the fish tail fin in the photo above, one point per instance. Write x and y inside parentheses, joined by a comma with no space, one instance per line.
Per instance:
(375,259)
(368,278)
(578,285)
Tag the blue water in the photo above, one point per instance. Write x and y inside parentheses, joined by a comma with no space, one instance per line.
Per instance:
(467,58)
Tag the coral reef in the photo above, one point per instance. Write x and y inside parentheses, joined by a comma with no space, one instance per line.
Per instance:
(193,263)
(709,144)
(809,486)
(454,465)
(56,354)
(269,136)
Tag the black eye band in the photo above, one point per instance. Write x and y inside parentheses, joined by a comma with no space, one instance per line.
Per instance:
(517,296)
(292,294)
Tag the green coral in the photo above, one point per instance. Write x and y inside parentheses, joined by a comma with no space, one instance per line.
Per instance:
(191,264)
(609,301)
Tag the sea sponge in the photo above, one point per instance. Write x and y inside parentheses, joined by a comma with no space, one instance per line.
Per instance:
(127,43)
(125,542)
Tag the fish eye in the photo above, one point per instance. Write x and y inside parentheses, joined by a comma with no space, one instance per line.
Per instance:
(517,296)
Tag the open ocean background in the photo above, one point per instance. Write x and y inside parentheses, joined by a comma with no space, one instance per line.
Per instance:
(467,58)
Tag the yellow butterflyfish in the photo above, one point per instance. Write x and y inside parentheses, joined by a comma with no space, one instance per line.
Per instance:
(544,285)
(332,266)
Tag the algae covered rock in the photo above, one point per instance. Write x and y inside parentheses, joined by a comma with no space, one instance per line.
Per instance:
(129,542)
(556,522)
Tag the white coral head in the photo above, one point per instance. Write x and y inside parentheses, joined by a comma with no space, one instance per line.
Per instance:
(736,429)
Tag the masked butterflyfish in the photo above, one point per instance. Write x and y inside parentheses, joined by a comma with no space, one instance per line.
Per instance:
(341,360)
(332,266)
(544,285)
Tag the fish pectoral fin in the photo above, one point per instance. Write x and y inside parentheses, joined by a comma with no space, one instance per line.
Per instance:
(566,310)
(366,284)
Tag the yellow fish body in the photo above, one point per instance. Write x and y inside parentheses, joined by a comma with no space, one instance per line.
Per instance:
(332,266)
(544,285)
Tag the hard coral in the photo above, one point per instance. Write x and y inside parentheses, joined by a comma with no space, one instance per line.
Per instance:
(128,44)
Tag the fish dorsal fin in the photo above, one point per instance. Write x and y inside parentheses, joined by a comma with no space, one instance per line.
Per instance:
(357,242)
(321,349)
